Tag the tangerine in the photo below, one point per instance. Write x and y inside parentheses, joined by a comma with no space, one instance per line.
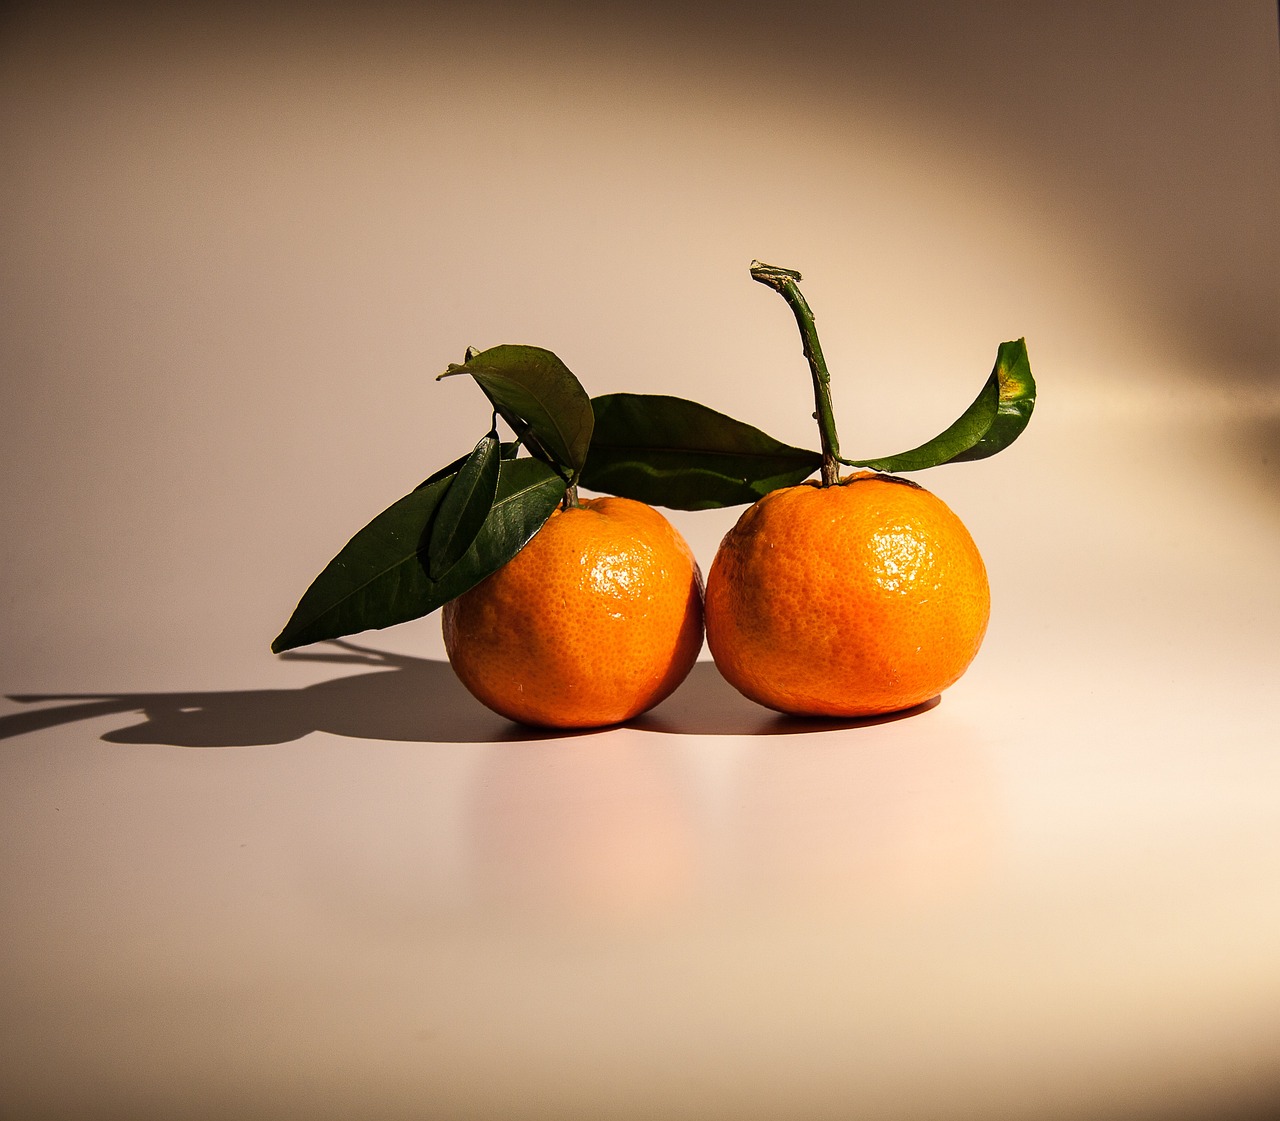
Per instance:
(594,621)
(856,599)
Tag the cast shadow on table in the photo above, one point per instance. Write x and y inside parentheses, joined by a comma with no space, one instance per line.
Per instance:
(395,697)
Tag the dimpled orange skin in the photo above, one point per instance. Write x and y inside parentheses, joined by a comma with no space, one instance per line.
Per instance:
(594,621)
(850,600)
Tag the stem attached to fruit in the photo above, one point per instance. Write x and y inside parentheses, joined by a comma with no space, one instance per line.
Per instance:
(570,499)
(783,281)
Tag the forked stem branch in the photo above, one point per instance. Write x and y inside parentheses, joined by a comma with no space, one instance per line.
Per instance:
(783,281)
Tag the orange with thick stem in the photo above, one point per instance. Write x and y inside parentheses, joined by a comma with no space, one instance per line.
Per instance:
(865,597)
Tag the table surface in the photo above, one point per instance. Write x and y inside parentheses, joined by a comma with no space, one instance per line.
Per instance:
(331,884)
(348,889)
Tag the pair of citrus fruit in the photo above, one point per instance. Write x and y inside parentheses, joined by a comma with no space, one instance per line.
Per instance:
(857,599)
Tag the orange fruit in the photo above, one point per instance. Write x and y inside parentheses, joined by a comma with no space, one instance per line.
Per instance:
(594,621)
(856,599)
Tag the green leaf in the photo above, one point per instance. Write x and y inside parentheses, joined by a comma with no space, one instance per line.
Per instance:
(508,449)
(1017,401)
(463,508)
(538,396)
(994,420)
(667,451)
(379,578)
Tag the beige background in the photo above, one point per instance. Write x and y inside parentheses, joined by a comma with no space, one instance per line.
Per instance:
(236,247)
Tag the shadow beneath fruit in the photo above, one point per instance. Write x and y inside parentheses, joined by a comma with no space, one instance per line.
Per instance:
(707,705)
(396,698)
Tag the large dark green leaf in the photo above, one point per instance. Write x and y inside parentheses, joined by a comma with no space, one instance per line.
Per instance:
(379,578)
(538,396)
(463,508)
(994,420)
(676,453)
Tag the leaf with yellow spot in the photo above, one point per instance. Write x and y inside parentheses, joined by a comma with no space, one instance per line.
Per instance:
(995,419)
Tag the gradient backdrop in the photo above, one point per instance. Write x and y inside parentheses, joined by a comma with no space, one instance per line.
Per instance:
(237,244)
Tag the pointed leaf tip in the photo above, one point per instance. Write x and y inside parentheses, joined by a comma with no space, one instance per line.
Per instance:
(1017,401)
(997,417)
(538,395)
(464,507)
(380,578)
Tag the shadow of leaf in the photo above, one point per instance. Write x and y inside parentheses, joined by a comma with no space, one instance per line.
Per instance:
(397,698)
